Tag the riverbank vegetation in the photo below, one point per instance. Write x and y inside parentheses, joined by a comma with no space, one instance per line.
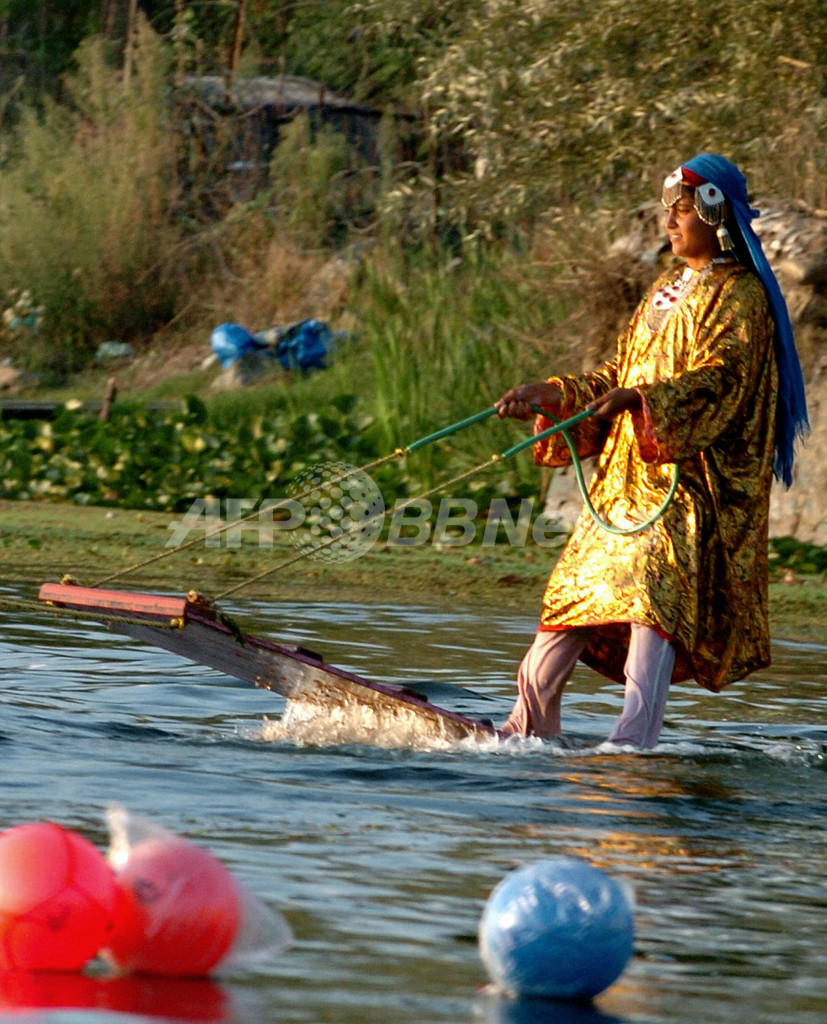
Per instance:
(458,253)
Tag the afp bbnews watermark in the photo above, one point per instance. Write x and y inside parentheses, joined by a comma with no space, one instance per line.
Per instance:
(336,512)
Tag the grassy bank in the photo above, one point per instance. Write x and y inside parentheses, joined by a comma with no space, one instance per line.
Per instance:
(41,541)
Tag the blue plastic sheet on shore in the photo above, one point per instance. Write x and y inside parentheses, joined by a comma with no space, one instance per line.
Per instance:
(231,341)
(304,345)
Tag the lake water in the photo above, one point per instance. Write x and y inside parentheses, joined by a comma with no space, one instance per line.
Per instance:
(381,858)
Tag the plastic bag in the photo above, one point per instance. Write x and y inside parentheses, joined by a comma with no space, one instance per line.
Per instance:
(181,911)
(304,345)
(231,341)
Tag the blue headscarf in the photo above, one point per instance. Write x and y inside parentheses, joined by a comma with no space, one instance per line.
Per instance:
(791,416)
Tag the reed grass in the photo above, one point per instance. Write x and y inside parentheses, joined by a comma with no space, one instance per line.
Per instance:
(87,222)
(446,337)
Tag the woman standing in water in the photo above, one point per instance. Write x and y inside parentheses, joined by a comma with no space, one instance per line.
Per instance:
(706,376)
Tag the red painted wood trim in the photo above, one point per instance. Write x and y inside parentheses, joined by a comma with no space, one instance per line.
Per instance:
(113,600)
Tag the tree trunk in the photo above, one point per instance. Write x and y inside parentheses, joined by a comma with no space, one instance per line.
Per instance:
(109,10)
(129,44)
(178,43)
(235,49)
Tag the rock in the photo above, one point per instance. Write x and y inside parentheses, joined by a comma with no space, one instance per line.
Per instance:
(108,351)
(250,368)
(9,377)
(13,380)
(801,511)
(563,501)
(801,271)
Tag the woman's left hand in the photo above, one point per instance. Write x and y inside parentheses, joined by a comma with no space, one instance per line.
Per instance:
(614,402)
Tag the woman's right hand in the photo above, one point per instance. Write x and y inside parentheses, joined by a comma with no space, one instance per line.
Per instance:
(518,403)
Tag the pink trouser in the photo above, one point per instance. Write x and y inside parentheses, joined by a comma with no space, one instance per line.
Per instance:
(549,662)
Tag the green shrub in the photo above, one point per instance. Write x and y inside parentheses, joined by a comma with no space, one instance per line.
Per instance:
(87,210)
(149,459)
(786,553)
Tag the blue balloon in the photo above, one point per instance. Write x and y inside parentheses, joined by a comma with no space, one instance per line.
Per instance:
(559,928)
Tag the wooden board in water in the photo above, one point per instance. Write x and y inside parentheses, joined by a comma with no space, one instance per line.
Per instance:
(192,628)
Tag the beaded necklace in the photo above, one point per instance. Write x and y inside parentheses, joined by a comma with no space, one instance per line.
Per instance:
(672,294)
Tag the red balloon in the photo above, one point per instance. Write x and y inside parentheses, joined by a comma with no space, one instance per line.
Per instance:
(179,910)
(57,898)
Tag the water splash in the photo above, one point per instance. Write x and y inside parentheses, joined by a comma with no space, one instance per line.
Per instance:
(350,722)
(305,723)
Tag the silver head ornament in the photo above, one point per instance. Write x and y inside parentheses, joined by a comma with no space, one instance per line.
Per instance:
(709,201)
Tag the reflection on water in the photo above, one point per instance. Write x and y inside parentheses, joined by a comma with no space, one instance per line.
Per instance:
(381,857)
(186,999)
(498,1010)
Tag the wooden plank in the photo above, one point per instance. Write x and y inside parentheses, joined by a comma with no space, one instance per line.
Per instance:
(250,659)
(300,675)
(27,409)
(92,599)
(35,409)
(207,638)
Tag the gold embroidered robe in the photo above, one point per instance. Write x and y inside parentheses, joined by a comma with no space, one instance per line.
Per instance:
(708,379)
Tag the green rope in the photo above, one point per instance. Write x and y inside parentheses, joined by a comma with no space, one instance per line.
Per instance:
(559,427)
(562,428)
(452,429)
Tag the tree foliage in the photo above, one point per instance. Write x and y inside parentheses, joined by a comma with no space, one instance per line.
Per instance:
(548,100)
(557,101)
